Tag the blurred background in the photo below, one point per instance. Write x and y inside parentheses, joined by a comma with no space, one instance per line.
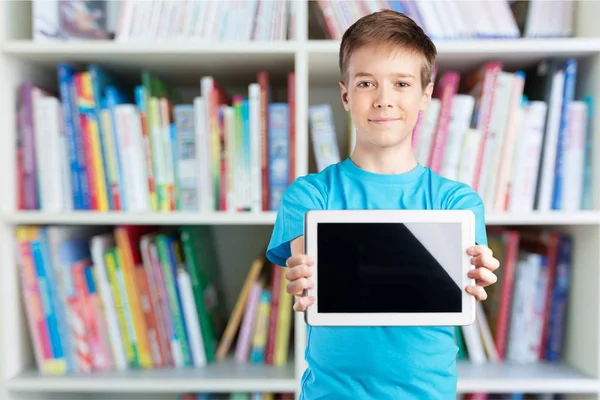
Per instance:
(145,146)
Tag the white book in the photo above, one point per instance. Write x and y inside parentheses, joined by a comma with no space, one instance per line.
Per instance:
(425,142)
(255,146)
(129,132)
(505,174)
(496,198)
(497,128)
(46,20)
(470,146)
(460,119)
(551,141)
(190,315)
(458,20)
(527,158)
(187,157)
(444,16)
(572,187)
(126,21)
(200,140)
(432,26)
(48,145)
(98,246)
(486,333)
(323,136)
(474,344)
(523,307)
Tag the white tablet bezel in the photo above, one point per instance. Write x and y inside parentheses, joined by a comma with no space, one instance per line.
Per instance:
(465,217)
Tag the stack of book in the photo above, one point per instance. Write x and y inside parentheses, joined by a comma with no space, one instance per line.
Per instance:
(99,143)
(144,297)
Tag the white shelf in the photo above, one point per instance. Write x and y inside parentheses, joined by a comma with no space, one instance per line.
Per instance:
(224,59)
(266,218)
(218,377)
(150,218)
(110,48)
(463,55)
(235,58)
(499,378)
(494,47)
(528,378)
(544,218)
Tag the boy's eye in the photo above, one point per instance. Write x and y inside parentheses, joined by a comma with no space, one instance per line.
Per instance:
(403,84)
(365,84)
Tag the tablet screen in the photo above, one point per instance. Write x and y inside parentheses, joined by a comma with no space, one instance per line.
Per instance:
(389,267)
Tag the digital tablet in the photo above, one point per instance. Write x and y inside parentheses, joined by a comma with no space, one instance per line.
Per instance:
(390,267)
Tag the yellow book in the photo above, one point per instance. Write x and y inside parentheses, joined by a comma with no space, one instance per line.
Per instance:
(98,166)
(238,310)
(158,154)
(259,339)
(164,122)
(112,167)
(113,280)
(139,322)
(95,147)
(284,319)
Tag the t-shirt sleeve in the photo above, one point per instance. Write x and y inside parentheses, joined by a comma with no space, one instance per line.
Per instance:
(465,198)
(301,196)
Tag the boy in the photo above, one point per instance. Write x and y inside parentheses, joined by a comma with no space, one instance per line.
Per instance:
(386,63)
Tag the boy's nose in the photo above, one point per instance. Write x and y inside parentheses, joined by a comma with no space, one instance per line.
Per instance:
(383,100)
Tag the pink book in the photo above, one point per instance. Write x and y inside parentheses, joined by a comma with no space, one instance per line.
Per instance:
(243,343)
(416,133)
(448,88)
(482,84)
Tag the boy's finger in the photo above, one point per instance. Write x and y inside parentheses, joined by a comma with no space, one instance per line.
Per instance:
(299,271)
(477,291)
(302,303)
(297,287)
(297,260)
(483,276)
(479,249)
(485,260)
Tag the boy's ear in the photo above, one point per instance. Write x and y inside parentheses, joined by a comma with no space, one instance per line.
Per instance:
(427,93)
(344,95)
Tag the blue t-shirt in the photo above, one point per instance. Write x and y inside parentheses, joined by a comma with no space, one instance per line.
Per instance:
(374,362)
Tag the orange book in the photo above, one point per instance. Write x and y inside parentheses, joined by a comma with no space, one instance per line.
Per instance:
(127,239)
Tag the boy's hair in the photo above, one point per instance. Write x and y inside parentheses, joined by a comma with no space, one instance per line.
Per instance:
(388,27)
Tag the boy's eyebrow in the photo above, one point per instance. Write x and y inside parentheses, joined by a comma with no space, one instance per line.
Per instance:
(397,74)
(404,75)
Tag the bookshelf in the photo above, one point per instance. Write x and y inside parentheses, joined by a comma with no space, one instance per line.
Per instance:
(315,65)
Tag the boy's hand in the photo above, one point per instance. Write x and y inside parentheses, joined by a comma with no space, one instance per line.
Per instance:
(482,258)
(298,273)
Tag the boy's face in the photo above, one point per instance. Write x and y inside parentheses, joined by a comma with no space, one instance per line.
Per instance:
(384,94)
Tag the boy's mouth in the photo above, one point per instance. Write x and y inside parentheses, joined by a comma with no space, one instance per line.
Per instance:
(383,120)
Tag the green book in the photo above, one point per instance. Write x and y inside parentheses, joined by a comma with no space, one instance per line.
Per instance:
(200,257)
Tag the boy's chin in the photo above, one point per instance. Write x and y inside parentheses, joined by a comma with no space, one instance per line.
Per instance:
(382,140)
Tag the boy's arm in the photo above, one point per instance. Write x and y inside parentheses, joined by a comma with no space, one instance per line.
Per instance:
(287,238)
(465,198)
(297,245)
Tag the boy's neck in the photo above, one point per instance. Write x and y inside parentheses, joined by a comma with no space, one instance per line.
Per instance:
(391,160)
